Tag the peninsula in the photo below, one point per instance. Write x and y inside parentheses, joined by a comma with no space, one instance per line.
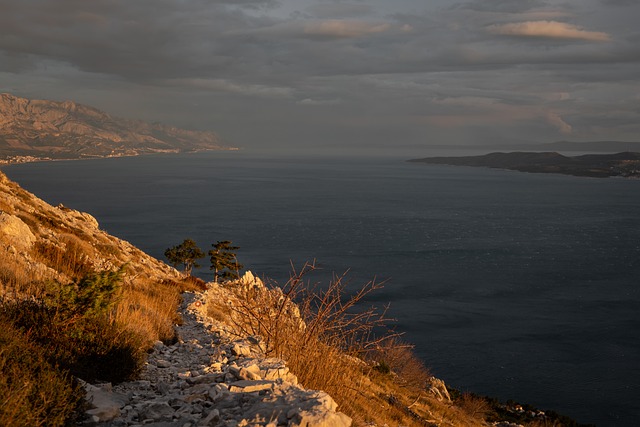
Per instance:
(625,164)
(35,130)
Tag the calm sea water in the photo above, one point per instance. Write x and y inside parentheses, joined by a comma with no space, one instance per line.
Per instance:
(519,286)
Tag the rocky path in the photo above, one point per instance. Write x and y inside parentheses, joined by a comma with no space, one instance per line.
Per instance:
(210,379)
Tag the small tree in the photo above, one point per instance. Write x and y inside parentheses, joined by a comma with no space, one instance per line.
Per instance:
(224,262)
(186,254)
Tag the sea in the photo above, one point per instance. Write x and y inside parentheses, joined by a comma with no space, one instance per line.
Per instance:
(513,285)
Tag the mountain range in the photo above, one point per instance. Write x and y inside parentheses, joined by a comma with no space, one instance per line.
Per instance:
(33,130)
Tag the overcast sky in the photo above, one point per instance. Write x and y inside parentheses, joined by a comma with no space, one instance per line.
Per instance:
(331,73)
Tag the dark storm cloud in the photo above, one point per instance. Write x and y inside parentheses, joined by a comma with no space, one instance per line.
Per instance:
(137,40)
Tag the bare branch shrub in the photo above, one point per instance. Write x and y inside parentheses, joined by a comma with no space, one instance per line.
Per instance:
(397,357)
(322,333)
(475,406)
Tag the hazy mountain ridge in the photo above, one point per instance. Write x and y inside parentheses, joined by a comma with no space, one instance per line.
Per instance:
(41,129)
(626,164)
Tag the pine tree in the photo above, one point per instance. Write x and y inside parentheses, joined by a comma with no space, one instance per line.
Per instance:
(224,262)
(186,253)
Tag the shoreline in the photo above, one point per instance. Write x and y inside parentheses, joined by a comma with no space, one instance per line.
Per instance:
(19,160)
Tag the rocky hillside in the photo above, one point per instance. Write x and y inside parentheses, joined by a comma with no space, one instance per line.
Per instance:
(42,242)
(39,129)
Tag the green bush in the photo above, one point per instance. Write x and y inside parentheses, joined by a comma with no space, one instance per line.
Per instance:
(90,297)
(71,327)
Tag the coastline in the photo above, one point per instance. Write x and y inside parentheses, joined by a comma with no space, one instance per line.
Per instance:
(19,159)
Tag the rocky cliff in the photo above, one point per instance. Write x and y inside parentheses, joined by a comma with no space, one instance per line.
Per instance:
(41,129)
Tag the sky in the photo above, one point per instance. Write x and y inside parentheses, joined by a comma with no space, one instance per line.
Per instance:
(329,74)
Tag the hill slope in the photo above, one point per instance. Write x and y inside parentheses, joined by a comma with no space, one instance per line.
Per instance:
(39,129)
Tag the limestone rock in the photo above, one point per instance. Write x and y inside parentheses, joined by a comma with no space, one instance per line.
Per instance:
(14,231)
(439,390)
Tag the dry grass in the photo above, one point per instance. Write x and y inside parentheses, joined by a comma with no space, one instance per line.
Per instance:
(328,342)
(15,276)
(69,260)
(397,357)
(32,392)
(149,310)
(475,406)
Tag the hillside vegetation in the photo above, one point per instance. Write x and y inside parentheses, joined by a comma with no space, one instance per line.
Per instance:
(77,302)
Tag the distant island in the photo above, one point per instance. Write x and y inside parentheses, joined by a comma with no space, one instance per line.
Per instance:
(35,130)
(625,164)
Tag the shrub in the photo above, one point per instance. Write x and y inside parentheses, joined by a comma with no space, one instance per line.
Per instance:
(474,405)
(91,296)
(322,333)
(71,326)
(395,356)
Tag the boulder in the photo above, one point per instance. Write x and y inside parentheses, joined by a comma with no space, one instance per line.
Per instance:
(15,233)
(439,390)
(105,404)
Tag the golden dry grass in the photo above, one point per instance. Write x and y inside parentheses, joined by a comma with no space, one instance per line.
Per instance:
(148,309)
(327,340)
(32,392)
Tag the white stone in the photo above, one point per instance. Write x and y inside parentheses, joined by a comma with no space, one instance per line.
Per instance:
(15,231)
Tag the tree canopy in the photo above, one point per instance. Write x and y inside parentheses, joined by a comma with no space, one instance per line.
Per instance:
(186,254)
(224,262)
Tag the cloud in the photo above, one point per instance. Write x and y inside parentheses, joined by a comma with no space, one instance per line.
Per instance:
(341,28)
(380,62)
(619,2)
(508,6)
(310,101)
(558,122)
(342,10)
(223,85)
(548,29)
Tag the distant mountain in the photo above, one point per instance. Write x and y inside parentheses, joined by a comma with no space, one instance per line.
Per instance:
(624,164)
(594,146)
(39,129)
